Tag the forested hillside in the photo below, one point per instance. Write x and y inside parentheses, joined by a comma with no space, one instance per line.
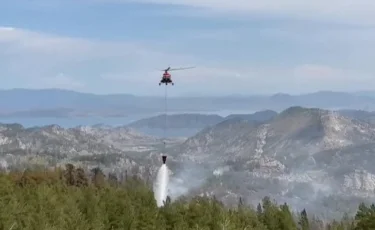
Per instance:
(73,199)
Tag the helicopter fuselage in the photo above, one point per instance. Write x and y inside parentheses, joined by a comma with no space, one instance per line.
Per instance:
(166,79)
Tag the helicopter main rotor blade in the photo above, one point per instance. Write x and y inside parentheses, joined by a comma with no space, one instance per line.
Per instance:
(167,69)
(181,68)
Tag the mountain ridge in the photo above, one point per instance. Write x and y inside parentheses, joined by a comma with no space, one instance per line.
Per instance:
(188,124)
(293,148)
(303,156)
(67,103)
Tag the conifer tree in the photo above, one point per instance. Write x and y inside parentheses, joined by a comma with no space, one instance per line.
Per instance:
(112,179)
(365,217)
(316,223)
(44,201)
(98,177)
(304,221)
(81,179)
(286,218)
(270,213)
(70,174)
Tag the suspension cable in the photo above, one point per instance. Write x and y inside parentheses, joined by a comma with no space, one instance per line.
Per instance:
(165,117)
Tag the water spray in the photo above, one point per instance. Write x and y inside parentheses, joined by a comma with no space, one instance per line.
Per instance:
(161,183)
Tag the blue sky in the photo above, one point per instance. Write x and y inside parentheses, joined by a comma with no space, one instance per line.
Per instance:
(237,46)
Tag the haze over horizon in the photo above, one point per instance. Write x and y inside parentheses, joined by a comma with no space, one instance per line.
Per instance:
(238,47)
(189,94)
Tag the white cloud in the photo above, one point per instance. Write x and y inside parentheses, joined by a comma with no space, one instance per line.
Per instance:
(35,57)
(321,35)
(328,74)
(44,47)
(63,82)
(349,11)
(312,76)
(25,41)
(319,72)
(38,60)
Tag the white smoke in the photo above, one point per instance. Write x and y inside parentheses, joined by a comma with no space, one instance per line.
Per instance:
(189,176)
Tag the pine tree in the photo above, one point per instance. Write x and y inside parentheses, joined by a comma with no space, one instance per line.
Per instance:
(316,224)
(259,211)
(365,217)
(70,174)
(81,179)
(304,221)
(286,219)
(44,201)
(98,177)
(270,213)
(112,179)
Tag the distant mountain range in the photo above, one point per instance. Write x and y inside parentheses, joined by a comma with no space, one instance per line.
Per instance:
(312,158)
(311,154)
(185,125)
(65,103)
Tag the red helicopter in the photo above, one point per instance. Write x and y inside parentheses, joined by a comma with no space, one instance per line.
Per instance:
(167,77)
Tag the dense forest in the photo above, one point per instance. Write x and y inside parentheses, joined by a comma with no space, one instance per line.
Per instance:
(72,198)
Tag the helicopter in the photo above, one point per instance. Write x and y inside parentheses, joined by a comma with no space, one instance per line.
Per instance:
(167,77)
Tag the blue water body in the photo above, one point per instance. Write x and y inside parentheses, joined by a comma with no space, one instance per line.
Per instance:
(69,122)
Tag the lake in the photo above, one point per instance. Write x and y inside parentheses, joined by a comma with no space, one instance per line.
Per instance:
(68,122)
